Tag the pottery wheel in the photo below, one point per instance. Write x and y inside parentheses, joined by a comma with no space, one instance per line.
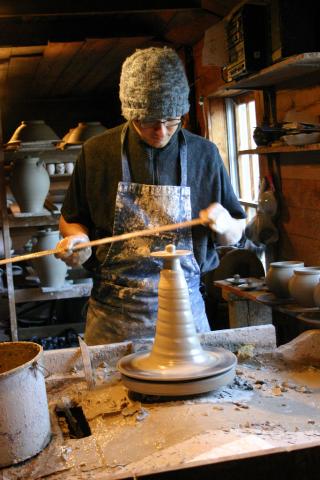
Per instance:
(177,364)
(184,379)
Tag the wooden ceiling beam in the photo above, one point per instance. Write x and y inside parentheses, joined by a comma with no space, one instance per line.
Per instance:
(18,31)
(12,8)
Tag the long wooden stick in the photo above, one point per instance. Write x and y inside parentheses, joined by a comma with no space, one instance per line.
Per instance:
(102,241)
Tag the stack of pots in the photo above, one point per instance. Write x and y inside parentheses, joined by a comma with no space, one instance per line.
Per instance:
(292,279)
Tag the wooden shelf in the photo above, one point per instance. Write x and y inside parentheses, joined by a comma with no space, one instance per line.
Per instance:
(60,176)
(26,333)
(48,155)
(281,149)
(43,221)
(36,294)
(278,74)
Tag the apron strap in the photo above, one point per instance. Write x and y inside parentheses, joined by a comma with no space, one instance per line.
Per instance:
(126,175)
(183,154)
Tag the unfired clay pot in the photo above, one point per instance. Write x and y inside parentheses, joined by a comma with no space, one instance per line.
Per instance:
(83,132)
(29,183)
(278,276)
(34,131)
(51,271)
(302,285)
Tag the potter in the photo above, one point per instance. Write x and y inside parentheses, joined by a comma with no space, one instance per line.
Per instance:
(145,173)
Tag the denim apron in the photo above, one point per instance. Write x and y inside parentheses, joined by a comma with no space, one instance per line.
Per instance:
(124,300)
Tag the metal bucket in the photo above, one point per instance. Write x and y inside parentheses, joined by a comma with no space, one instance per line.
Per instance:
(24,414)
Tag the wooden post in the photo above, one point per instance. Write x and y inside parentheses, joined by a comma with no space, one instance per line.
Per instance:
(6,241)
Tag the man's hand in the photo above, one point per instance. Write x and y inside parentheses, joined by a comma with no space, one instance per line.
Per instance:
(70,257)
(228,229)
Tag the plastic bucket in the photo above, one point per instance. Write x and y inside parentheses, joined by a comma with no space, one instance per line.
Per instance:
(24,413)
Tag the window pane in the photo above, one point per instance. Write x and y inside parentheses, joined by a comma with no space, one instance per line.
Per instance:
(248,163)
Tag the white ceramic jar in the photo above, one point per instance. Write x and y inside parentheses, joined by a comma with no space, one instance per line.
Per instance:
(60,168)
(278,276)
(51,168)
(69,167)
(302,285)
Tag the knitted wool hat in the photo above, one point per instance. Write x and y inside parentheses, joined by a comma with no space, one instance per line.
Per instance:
(153,84)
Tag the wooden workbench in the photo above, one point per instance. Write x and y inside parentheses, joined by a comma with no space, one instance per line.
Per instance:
(261,307)
(266,424)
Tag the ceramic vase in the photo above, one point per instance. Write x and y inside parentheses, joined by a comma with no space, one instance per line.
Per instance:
(278,276)
(30,131)
(302,285)
(51,271)
(29,183)
(83,132)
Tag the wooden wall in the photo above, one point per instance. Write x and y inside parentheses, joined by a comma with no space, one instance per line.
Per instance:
(207,80)
(297,175)
(300,184)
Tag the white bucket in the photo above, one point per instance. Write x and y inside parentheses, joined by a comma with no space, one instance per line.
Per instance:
(24,413)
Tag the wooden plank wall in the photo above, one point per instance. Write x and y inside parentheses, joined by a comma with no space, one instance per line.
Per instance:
(207,80)
(297,174)
(300,183)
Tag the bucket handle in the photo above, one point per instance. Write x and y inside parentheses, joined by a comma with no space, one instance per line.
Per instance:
(35,367)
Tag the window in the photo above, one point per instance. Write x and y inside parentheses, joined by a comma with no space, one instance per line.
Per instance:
(244,167)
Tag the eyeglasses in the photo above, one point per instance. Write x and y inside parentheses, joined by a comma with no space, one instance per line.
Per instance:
(169,123)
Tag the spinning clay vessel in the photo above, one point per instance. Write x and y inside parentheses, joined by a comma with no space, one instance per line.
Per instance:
(177,363)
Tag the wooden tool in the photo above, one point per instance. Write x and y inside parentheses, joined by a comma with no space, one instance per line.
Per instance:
(102,241)
(88,371)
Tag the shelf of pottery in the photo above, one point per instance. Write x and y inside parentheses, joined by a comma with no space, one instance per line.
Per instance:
(38,167)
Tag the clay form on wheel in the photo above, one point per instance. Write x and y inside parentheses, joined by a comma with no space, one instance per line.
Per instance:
(177,363)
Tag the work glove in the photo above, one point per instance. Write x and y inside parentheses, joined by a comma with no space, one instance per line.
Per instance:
(70,257)
(218,217)
(228,229)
